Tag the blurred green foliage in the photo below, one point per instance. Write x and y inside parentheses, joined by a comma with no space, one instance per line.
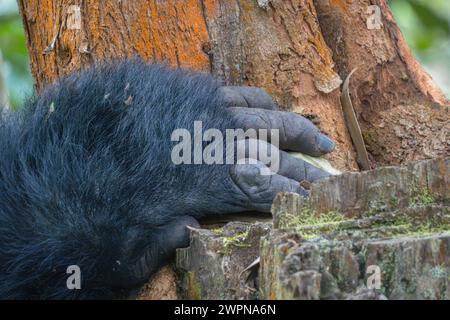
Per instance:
(16,67)
(426,27)
(425,24)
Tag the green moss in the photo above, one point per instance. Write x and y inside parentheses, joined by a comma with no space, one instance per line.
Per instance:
(430,228)
(379,221)
(381,225)
(217,231)
(394,201)
(422,198)
(399,220)
(439,272)
(376,207)
(388,271)
(369,138)
(308,218)
(194,291)
(401,224)
(236,240)
(428,294)
(311,225)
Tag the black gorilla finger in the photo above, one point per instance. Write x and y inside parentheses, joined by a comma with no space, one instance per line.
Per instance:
(165,240)
(296,133)
(257,191)
(299,170)
(176,234)
(247,97)
(280,162)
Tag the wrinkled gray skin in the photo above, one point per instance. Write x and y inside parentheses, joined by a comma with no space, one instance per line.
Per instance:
(253,108)
(87,177)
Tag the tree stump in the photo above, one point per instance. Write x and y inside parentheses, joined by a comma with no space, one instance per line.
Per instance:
(388,238)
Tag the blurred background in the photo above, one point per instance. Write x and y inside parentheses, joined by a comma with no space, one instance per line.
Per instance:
(425,24)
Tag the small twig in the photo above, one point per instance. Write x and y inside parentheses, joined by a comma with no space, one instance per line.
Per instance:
(353,125)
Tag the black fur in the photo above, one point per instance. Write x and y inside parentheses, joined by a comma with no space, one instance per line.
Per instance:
(86,177)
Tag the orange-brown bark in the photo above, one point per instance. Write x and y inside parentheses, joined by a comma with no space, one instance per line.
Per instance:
(403,114)
(279,48)
(64,35)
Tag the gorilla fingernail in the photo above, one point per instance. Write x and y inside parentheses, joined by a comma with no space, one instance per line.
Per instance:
(325,144)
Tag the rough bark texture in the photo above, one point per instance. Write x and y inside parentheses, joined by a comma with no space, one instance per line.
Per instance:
(162,286)
(396,219)
(278,47)
(403,114)
(213,267)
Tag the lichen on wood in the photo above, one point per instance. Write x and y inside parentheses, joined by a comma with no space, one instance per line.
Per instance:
(214,264)
(395,220)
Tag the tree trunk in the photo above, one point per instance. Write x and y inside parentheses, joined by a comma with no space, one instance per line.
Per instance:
(298,50)
(278,47)
(403,114)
